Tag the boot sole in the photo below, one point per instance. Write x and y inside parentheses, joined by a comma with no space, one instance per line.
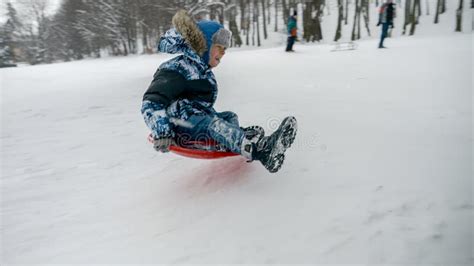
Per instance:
(288,129)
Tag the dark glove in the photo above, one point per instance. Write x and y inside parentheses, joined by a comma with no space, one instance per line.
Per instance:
(163,144)
(392,26)
(378,24)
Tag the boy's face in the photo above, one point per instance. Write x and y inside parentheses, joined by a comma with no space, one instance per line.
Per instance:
(216,54)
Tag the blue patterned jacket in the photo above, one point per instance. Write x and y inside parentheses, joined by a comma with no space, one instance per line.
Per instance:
(182,86)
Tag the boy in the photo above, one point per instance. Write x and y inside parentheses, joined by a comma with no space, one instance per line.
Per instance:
(179,102)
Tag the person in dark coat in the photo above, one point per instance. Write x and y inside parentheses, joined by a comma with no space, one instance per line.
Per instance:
(292,32)
(386,15)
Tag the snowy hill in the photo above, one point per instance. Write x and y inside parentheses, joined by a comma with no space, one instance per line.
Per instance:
(381,171)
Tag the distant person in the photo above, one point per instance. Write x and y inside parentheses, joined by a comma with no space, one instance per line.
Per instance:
(386,16)
(179,103)
(291,32)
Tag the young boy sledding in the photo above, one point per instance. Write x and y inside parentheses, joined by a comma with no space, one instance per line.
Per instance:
(178,104)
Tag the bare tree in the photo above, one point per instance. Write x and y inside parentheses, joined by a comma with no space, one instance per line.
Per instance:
(268,8)
(365,13)
(459,16)
(232,14)
(286,12)
(340,7)
(346,13)
(36,31)
(414,16)
(264,13)
(275,2)
(312,14)
(408,4)
(248,14)
(11,37)
(256,20)
(252,14)
(356,26)
(120,27)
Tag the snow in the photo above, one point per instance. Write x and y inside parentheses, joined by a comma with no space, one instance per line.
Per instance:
(380,173)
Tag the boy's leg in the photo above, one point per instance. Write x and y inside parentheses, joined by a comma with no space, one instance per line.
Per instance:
(230,117)
(205,127)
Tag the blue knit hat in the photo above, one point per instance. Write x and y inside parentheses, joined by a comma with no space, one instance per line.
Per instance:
(214,33)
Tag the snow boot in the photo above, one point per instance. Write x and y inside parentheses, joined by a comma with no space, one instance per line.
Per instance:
(254,133)
(270,150)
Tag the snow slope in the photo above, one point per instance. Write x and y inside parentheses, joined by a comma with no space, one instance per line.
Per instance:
(381,172)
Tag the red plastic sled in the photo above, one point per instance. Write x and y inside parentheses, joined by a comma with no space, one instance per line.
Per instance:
(199,149)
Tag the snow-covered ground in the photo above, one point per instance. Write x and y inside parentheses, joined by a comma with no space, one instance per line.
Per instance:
(381,172)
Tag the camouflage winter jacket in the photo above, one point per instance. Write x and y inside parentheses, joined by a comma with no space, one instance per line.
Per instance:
(184,85)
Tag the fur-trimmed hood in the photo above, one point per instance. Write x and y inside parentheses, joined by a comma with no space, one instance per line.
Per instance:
(191,33)
(185,37)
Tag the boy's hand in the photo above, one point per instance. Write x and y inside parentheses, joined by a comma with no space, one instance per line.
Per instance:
(163,144)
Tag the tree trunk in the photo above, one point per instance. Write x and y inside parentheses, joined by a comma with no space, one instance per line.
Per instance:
(438,10)
(346,15)
(419,11)
(276,15)
(267,7)
(414,16)
(459,16)
(265,35)
(257,21)
(247,22)
(252,14)
(237,41)
(353,37)
(286,12)
(317,19)
(340,7)
(366,15)
(242,4)
(222,15)
(407,15)
(308,24)
(358,19)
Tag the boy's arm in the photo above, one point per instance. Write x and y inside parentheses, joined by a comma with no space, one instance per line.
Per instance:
(157,120)
(166,87)
(163,134)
